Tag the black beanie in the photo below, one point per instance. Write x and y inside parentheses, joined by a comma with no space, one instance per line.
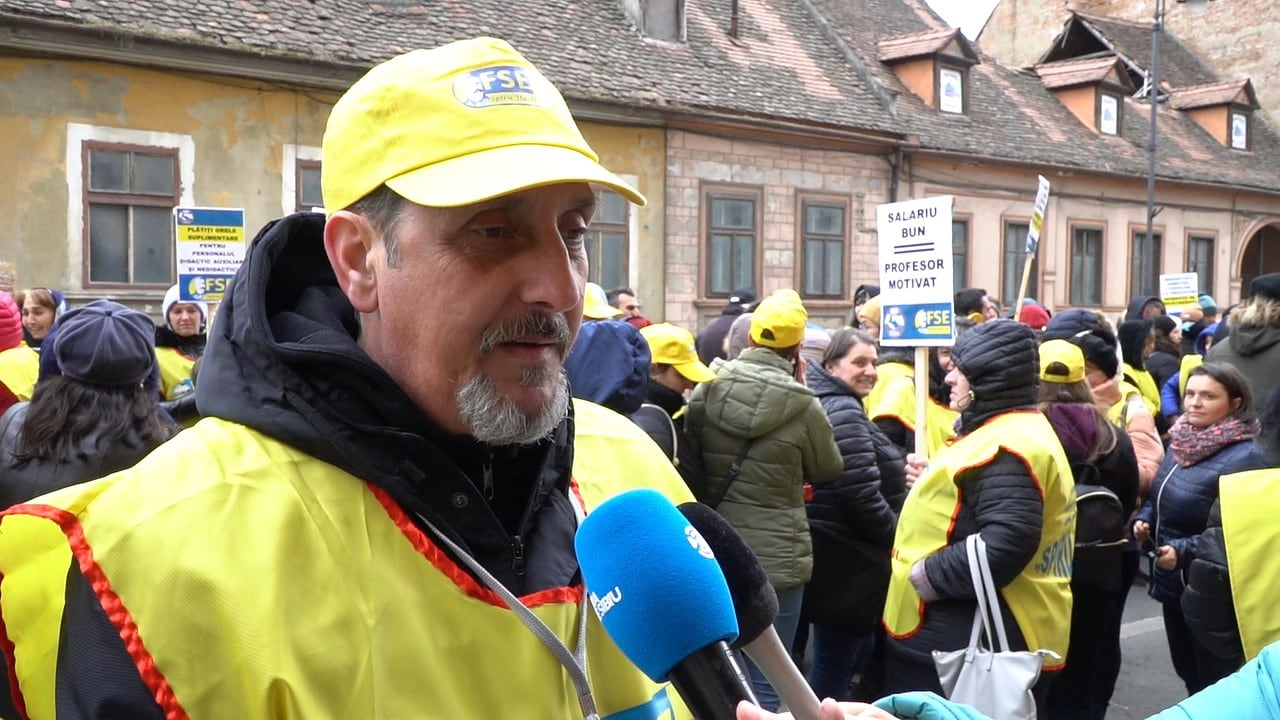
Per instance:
(1266,286)
(1000,360)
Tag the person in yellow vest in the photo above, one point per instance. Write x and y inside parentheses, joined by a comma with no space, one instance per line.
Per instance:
(1229,600)
(389,461)
(19,364)
(891,404)
(1137,341)
(1006,477)
(41,307)
(180,342)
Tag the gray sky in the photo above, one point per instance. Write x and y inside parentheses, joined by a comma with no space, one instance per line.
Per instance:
(968,15)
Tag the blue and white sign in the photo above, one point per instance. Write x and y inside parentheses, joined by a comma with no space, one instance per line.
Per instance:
(916,293)
(210,248)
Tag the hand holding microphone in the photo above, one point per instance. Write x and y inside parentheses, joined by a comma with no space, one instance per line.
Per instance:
(660,594)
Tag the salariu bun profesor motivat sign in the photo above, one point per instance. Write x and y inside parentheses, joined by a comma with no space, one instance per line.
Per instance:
(916,293)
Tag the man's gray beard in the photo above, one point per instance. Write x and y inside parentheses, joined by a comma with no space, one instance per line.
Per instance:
(495,420)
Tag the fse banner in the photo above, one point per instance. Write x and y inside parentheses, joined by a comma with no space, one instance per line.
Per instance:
(916,293)
(210,248)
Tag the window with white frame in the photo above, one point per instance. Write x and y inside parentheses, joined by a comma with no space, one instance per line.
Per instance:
(130,193)
(608,249)
(122,186)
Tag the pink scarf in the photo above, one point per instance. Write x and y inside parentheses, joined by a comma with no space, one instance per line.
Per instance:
(1191,444)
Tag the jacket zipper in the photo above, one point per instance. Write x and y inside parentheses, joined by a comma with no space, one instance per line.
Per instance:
(487,472)
(517,554)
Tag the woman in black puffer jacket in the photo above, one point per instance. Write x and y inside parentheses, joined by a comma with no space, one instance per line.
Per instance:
(1213,437)
(851,519)
(1006,478)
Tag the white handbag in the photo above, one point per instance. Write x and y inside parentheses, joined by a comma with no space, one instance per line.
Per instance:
(988,676)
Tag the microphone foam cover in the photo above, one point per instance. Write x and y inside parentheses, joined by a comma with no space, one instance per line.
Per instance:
(653,581)
(754,599)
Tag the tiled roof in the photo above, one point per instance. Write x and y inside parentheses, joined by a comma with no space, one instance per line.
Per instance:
(1070,73)
(808,62)
(1222,93)
(778,66)
(1179,66)
(1013,117)
(906,47)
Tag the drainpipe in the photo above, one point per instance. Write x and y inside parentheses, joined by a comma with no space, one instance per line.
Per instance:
(733,19)
(895,166)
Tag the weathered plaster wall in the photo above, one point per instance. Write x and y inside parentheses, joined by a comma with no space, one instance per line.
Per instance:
(639,154)
(238,128)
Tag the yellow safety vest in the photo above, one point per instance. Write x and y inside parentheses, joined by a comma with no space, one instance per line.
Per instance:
(1040,596)
(1120,411)
(252,581)
(1189,363)
(19,369)
(1250,501)
(894,396)
(1146,386)
(175,372)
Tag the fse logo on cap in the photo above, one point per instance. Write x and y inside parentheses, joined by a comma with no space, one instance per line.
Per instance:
(500,85)
(455,125)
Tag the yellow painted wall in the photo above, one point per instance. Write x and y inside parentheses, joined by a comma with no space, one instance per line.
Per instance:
(238,128)
(640,152)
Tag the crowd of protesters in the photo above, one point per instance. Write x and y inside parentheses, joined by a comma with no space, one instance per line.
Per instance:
(804,438)
(388,482)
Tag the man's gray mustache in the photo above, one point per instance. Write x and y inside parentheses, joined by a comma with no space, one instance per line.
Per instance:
(530,327)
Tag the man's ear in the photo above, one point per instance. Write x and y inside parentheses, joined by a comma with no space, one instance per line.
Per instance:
(353,246)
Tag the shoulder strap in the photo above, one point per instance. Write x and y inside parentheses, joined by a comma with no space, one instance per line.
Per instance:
(734,469)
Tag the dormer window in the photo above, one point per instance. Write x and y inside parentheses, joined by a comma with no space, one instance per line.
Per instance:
(1223,109)
(1109,113)
(658,19)
(934,65)
(1093,90)
(1239,130)
(951,91)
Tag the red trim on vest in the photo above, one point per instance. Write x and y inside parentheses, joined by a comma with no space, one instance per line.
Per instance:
(15,693)
(913,633)
(111,603)
(455,572)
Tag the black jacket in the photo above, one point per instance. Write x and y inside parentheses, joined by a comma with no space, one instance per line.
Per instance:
(1207,603)
(1000,499)
(850,520)
(710,342)
(662,419)
(22,480)
(283,359)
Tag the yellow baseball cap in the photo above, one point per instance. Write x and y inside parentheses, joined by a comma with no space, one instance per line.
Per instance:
(779,320)
(455,125)
(1068,355)
(595,304)
(672,345)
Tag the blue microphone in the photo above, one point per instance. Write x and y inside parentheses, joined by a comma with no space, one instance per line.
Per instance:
(660,594)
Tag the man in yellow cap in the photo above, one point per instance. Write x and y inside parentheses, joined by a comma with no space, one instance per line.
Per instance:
(389,461)
(674,371)
(762,435)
